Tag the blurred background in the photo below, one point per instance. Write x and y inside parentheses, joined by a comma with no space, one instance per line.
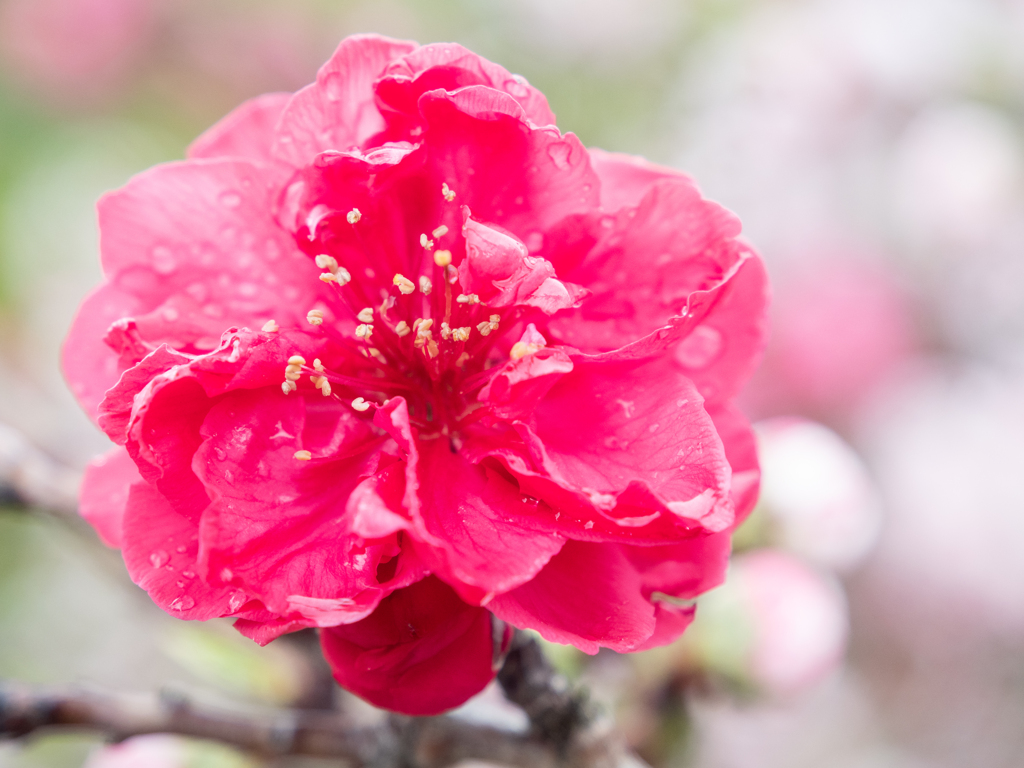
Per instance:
(874,615)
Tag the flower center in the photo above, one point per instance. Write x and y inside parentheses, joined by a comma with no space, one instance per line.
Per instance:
(419,337)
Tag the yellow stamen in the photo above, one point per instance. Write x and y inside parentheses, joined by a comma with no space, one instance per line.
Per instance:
(405,285)
(364,331)
(317,365)
(448,192)
(425,285)
(302,455)
(343,276)
(461,334)
(360,404)
(288,386)
(365,315)
(324,261)
(468,298)
(426,242)
(403,329)
(315,317)
(296,360)
(270,326)
(442,258)
(353,216)
(440,231)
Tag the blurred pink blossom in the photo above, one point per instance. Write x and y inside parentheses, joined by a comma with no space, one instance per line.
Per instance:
(153,751)
(74,51)
(818,497)
(839,329)
(776,626)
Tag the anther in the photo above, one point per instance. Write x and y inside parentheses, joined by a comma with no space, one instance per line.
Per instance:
(460,334)
(402,329)
(377,355)
(325,261)
(448,192)
(325,387)
(302,455)
(343,276)
(288,386)
(426,242)
(353,216)
(365,315)
(296,360)
(364,331)
(270,327)
(446,331)
(442,258)
(405,285)
(468,298)
(425,285)
(359,404)
(292,373)
(317,365)
(315,317)
(440,231)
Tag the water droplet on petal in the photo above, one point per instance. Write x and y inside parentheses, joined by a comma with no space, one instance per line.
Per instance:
(188,574)
(163,260)
(182,603)
(236,601)
(181,549)
(158,558)
(559,154)
(700,348)
(334,86)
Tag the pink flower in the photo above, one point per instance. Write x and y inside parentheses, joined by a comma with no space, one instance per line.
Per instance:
(74,50)
(395,325)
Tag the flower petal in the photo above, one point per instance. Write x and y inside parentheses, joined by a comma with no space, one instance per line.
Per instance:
(245,132)
(338,111)
(104,493)
(449,66)
(160,547)
(421,652)
(588,595)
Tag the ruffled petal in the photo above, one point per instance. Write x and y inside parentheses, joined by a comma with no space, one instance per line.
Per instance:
(490,539)
(196,246)
(338,111)
(277,526)
(449,67)
(629,443)
(245,132)
(625,179)
(104,493)
(421,652)
(160,548)
(588,595)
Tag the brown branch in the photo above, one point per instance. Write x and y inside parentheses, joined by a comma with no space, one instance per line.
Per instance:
(398,742)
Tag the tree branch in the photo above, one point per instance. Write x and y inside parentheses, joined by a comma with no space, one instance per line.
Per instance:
(399,742)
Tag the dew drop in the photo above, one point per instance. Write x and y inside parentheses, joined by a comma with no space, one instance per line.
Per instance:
(188,574)
(181,549)
(559,154)
(334,86)
(163,260)
(702,347)
(517,88)
(158,558)
(236,601)
(182,603)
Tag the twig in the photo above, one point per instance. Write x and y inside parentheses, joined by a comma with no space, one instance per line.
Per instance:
(557,712)
(399,742)
(30,477)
